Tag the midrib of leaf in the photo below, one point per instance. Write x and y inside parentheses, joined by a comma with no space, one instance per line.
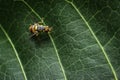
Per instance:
(92,32)
(57,55)
(53,43)
(16,53)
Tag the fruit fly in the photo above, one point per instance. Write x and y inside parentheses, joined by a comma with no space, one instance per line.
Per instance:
(36,28)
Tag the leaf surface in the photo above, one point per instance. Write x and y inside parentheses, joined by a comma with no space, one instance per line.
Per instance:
(83,45)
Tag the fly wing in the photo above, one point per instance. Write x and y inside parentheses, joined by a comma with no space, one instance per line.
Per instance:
(40,28)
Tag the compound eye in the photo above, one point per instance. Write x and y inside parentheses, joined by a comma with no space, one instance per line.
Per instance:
(46,28)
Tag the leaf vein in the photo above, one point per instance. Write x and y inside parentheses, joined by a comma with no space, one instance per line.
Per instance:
(89,27)
(16,53)
(63,71)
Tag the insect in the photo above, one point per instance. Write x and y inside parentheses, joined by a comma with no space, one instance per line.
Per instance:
(36,28)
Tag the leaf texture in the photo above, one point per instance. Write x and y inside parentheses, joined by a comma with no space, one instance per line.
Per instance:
(83,45)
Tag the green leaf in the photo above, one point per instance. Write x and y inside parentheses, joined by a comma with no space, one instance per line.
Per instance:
(84,43)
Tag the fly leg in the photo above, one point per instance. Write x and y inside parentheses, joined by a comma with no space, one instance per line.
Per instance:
(36,33)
